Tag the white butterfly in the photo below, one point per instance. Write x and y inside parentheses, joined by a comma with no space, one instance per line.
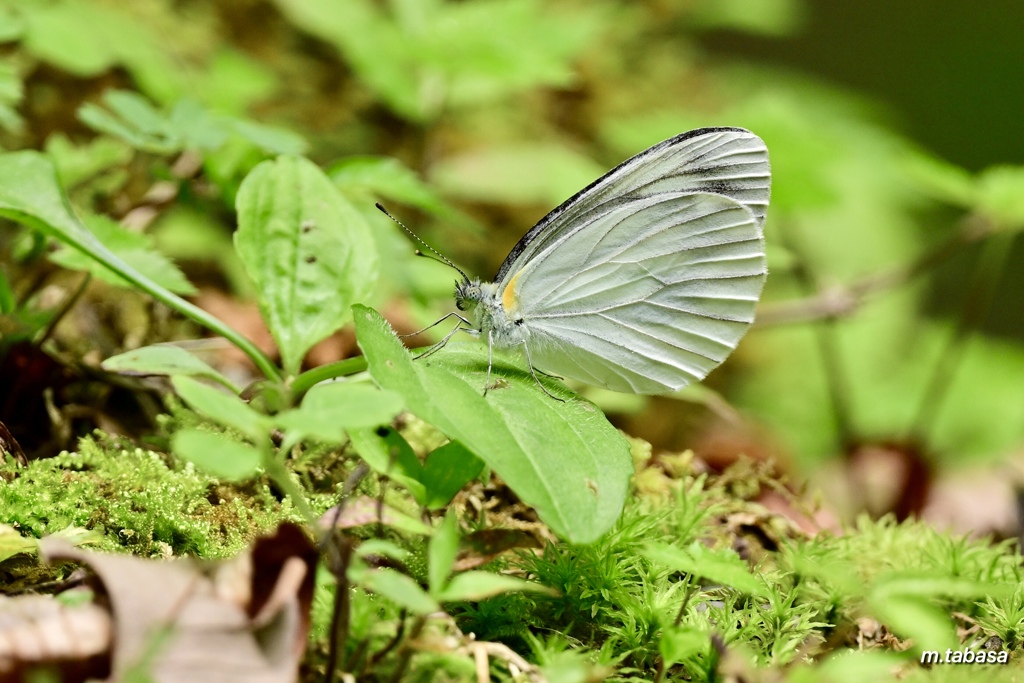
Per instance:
(644,281)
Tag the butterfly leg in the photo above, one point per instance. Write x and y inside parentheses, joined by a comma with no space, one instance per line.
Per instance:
(440,345)
(526,350)
(434,324)
(490,355)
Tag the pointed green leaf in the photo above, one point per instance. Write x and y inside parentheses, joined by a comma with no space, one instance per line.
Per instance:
(562,458)
(329,409)
(218,454)
(387,178)
(472,586)
(446,470)
(133,248)
(222,408)
(441,552)
(391,455)
(164,359)
(398,588)
(132,118)
(309,252)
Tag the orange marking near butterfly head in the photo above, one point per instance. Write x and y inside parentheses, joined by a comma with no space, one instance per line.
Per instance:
(508,297)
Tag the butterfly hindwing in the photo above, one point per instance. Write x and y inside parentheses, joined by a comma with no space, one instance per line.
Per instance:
(650,294)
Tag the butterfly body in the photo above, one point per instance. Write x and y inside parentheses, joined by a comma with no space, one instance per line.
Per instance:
(643,281)
(492,318)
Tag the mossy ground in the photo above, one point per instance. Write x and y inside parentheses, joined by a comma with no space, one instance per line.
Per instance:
(867,600)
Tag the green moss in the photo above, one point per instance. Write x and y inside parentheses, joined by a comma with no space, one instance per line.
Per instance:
(138,500)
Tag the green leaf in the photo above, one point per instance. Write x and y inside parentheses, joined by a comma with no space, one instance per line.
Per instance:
(77,163)
(940,179)
(924,585)
(562,458)
(164,359)
(677,644)
(725,568)
(196,126)
(229,411)
(218,454)
(536,46)
(398,588)
(777,18)
(373,46)
(329,409)
(1001,196)
(441,552)
(88,38)
(12,543)
(472,586)
(446,470)
(133,248)
(388,179)
(270,139)
(71,36)
(391,455)
(308,251)
(848,666)
(378,546)
(232,81)
(132,118)
(421,56)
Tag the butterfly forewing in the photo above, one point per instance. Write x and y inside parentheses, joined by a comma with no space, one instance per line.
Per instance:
(728,161)
(653,294)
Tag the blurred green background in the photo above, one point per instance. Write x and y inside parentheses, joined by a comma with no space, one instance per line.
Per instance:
(892,318)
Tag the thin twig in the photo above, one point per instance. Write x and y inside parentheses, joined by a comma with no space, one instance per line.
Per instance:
(839,301)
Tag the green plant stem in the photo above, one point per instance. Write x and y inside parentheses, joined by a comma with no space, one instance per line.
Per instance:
(279,475)
(73,233)
(212,323)
(342,368)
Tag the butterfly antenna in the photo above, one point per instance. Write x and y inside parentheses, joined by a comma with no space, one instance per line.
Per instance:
(437,256)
